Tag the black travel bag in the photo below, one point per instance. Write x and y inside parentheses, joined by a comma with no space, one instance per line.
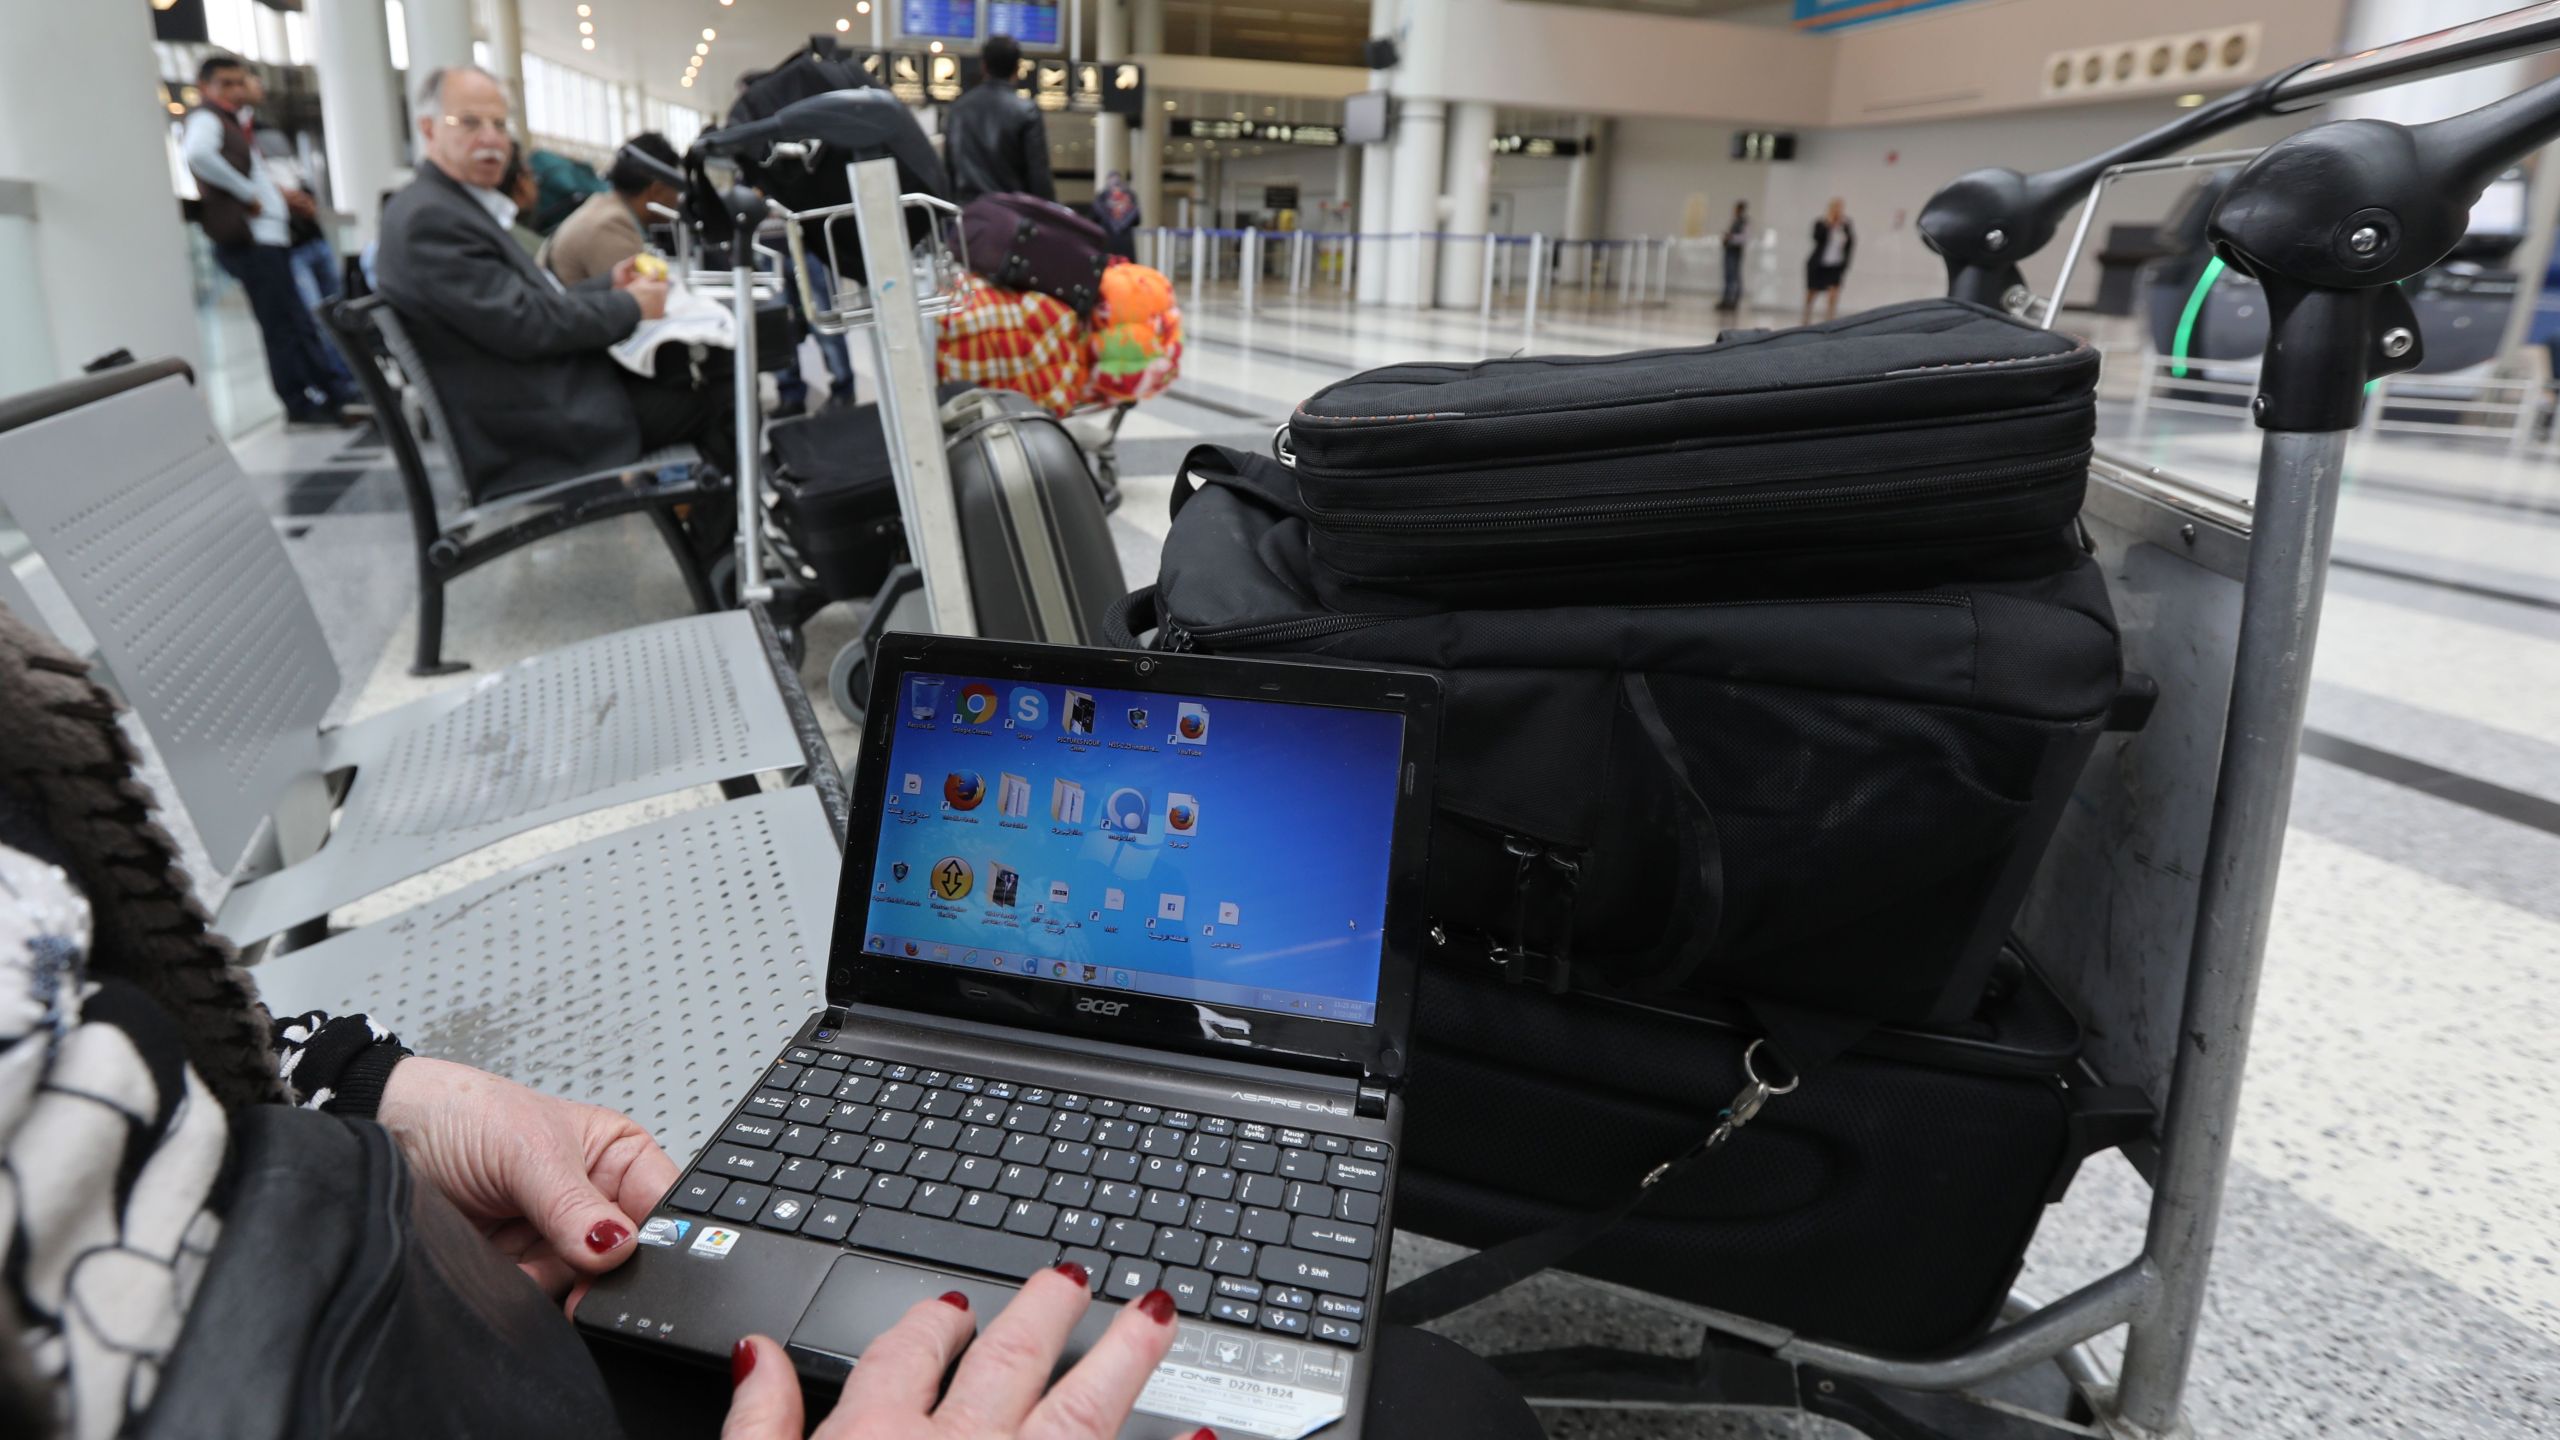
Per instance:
(1885,1203)
(1042,563)
(1895,448)
(1023,242)
(1835,801)
(832,501)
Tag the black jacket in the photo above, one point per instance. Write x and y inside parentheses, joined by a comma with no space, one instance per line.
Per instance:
(994,142)
(518,362)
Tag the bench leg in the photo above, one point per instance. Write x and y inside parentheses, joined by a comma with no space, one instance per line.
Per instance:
(430,658)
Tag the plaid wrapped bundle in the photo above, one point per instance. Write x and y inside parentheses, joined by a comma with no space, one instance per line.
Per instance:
(1137,335)
(1016,340)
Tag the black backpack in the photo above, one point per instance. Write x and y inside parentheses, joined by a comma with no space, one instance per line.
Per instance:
(1833,801)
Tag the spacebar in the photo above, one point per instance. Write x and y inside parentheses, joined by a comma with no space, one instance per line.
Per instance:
(1016,1257)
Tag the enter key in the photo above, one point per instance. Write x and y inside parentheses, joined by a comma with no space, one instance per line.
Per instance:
(1333,1237)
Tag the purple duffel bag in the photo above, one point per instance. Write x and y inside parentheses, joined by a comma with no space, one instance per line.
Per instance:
(1022,242)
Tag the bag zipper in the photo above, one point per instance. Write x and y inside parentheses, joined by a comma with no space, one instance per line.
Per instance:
(1932,486)
(1173,636)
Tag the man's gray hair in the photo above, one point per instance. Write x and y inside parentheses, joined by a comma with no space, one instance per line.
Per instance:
(431,90)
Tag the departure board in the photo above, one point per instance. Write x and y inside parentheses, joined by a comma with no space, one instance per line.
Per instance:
(1031,22)
(938,19)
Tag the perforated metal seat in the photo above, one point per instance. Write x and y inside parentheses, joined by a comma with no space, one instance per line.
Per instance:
(197,609)
(654,971)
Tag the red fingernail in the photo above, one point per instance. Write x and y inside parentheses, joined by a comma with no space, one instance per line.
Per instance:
(1158,1307)
(1075,1272)
(742,1360)
(955,1299)
(607,1235)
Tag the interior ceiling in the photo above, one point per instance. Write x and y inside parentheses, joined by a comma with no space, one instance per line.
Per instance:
(651,41)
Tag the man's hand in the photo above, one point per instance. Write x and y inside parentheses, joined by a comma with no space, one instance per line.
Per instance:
(554,1184)
(626,270)
(254,207)
(1002,1389)
(298,204)
(652,295)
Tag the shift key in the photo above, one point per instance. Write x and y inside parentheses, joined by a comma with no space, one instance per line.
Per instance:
(1328,1273)
(944,1242)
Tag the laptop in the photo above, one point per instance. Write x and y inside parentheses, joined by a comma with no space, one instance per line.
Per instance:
(1122,973)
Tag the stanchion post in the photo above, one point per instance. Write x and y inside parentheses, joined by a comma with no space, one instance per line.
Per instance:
(1484,278)
(1199,263)
(1537,279)
(1249,266)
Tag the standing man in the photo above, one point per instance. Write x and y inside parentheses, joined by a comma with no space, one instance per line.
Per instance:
(520,358)
(248,217)
(1737,241)
(1833,243)
(997,142)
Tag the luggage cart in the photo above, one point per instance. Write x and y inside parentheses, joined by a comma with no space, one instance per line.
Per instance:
(2228,596)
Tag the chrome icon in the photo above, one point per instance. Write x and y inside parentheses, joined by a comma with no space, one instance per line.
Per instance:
(977,705)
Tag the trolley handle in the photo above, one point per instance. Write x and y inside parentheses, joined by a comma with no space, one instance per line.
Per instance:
(1985,222)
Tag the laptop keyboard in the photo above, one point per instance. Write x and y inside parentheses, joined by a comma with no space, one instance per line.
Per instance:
(1256,1225)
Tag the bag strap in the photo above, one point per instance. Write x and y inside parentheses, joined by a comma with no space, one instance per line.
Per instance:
(1491,1271)
(1235,470)
(1129,617)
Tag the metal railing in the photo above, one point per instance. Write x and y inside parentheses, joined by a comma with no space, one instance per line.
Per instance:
(1534,266)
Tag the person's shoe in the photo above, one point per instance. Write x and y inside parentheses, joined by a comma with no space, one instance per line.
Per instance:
(313,420)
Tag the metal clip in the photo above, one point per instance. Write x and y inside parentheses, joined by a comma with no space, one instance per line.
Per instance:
(1747,1102)
(1282,449)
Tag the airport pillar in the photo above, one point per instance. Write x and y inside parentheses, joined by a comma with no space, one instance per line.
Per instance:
(1146,138)
(1470,179)
(1421,133)
(1586,196)
(93,254)
(506,55)
(359,107)
(1110,132)
(439,37)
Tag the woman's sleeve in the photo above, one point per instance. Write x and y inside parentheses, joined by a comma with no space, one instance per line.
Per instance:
(339,1065)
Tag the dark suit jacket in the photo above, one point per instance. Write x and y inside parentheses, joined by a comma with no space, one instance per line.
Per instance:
(518,362)
(994,143)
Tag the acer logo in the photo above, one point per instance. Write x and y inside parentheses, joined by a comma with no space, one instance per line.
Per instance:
(1092,1006)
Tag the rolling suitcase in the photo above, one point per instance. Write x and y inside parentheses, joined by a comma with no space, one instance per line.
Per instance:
(1041,562)
(1022,242)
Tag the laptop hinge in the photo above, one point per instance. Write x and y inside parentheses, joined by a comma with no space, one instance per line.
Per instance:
(1372,1101)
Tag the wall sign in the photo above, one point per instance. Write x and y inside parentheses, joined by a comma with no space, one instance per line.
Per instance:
(1537,146)
(1770,145)
(1267,131)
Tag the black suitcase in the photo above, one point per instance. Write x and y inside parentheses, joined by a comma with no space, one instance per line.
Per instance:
(1886,1203)
(1835,801)
(1897,447)
(832,500)
(1042,564)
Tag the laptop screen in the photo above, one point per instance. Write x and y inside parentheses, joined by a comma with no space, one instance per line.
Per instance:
(1229,852)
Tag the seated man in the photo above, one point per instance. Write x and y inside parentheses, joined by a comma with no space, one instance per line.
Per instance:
(610,226)
(519,358)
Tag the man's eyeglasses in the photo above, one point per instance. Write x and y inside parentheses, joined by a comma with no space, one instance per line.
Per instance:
(475,124)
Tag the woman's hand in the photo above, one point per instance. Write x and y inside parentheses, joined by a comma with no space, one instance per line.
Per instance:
(553,1183)
(1002,1390)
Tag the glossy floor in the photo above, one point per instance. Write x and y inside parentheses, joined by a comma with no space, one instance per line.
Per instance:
(2390,1263)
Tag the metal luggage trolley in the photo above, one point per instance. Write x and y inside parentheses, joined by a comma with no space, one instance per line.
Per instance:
(2222,602)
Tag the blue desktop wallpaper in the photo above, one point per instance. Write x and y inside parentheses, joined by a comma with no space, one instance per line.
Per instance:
(1255,835)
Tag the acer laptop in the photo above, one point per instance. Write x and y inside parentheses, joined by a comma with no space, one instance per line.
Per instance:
(1122,973)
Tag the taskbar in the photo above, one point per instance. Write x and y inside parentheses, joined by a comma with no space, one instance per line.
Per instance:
(1137,982)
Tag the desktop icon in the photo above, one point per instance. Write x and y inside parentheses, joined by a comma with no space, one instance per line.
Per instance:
(877,943)
(1137,718)
(1026,709)
(1114,900)
(924,698)
(1181,814)
(1057,892)
(1030,964)
(898,871)
(1191,722)
(1168,907)
(963,790)
(941,952)
(1066,802)
(1120,978)
(1004,884)
(1089,973)
(952,878)
(1228,914)
(1013,796)
(1126,810)
(1079,713)
(913,784)
(977,705)
(1058,969)
(911,949)
(969,959)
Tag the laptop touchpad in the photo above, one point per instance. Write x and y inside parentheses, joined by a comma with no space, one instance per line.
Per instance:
(863,1297)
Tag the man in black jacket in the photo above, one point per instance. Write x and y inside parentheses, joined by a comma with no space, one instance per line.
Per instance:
(995,141)
(518,358)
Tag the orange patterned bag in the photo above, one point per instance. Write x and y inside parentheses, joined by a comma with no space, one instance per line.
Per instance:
(1137,335)
(1016,340)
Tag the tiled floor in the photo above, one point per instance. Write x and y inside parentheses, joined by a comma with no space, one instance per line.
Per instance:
(2391,1261)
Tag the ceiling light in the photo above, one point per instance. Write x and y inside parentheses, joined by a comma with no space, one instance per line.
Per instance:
(710,34)
(585,10)
(1268,110)
(687,82)
(935,47)
(586,27)
(843,25)
(701,49)
(1239,115)
(861,7)
(1168,104)
(2190,100)
(587,44)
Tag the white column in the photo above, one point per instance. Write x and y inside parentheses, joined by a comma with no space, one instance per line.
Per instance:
(1469,175)
(103,262)
(359,107)
(506,54)
(1422,128)
(439,36)
(1375,215)
(1110,132)
(1586,196)
(1146,139)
